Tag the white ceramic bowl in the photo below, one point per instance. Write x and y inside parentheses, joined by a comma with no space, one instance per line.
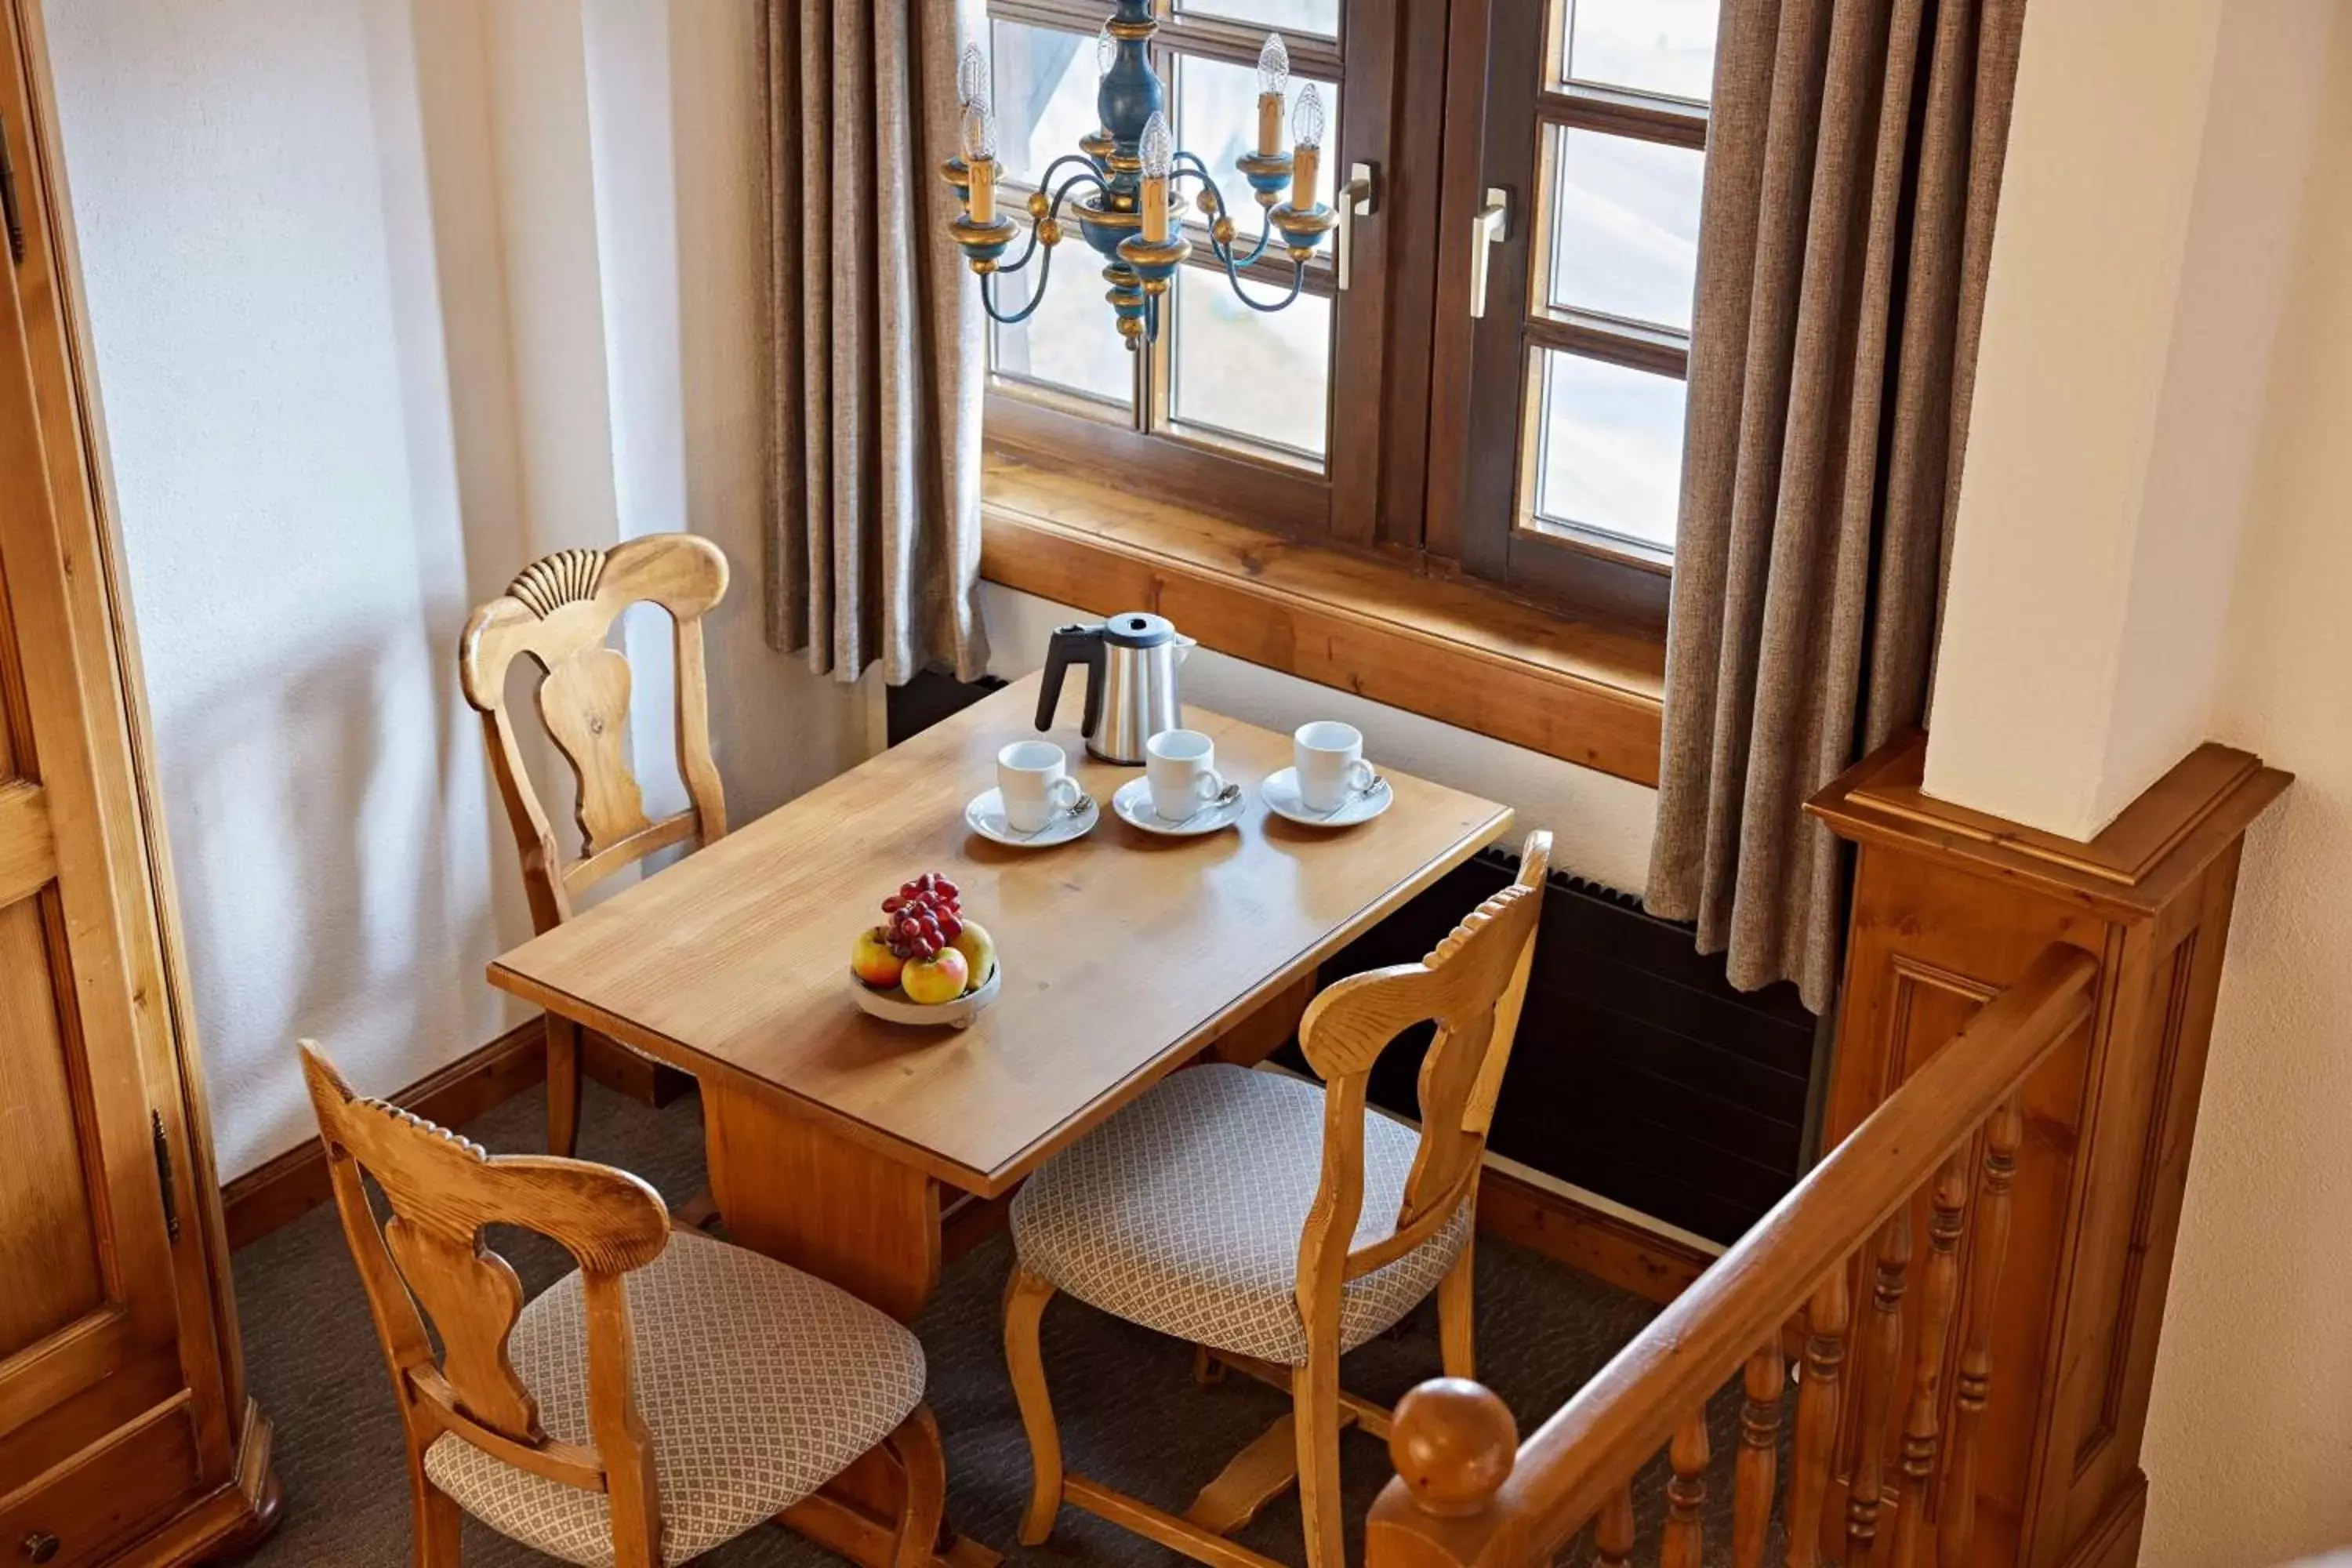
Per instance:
(892,1005)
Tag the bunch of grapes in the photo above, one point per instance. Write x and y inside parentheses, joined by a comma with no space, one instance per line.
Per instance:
(922,917)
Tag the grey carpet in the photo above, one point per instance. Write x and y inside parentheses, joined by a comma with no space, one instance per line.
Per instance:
(1130,1414)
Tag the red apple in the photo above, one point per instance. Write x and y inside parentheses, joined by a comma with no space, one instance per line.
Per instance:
(938,978)
(872,961)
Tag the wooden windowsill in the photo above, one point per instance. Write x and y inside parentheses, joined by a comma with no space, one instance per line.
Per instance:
(1446,650)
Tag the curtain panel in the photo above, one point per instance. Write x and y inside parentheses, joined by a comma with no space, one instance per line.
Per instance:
(1853,158)
(873,547)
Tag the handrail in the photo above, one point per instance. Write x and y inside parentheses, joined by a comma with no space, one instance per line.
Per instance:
(1462,1498)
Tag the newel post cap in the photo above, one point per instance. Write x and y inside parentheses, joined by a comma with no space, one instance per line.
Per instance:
(1453,1442)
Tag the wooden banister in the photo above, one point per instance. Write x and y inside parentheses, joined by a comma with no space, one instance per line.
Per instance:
(1462,1498)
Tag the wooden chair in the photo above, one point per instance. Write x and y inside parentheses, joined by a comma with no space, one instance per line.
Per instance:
(560,611)
(667,1395)
(1277,1225)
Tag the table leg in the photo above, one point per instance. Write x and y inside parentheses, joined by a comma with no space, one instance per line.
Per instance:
(795,1189)
(789,1187)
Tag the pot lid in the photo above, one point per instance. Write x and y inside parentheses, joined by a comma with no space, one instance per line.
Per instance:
(1135,628)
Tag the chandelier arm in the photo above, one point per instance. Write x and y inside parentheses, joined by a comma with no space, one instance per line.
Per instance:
(1297,283)
(1191,163)
(1036,297)
(1027,251)
(1087,178)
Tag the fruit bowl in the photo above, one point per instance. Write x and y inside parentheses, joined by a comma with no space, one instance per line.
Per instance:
(893,1006)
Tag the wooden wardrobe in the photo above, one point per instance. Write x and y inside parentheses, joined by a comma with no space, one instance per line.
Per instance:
(125,1432)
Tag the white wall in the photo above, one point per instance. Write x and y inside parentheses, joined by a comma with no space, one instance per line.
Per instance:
(388,297)
(2138,268)
(2249,1445)
(1601,824)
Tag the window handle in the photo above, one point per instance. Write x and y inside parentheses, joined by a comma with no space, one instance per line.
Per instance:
(1360,198)
(1492,225)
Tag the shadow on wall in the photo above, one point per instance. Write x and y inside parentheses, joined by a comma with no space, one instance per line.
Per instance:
(320,886)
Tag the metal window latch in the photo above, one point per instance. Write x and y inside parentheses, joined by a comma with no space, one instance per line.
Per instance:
(163,1176)
(1360,198)
(9,211)
(1490,228)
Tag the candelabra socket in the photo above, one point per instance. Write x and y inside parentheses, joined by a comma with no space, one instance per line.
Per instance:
(1268,174)
(1303,229)
(983,243)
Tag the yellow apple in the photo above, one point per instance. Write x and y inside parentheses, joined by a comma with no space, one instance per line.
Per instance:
(978,949)
(872,961)
(935,979)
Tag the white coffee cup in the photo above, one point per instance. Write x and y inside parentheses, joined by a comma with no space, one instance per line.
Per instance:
(1329,757)
(1182,766)
(1034,777)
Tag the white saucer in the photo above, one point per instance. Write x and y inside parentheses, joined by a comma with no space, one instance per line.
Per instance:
(1281,793)
(985,817)
(1132,801)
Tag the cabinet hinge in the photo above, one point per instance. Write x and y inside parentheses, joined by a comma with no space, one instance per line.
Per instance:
(8,208)
(163,1177)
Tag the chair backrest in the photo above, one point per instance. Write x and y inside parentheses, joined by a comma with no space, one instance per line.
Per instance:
(559,611)
(430,1254)
(1473,988)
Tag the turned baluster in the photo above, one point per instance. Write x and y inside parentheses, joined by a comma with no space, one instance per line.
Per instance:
(1759,1454)
(1817,1418)
(1956,1517)
(1612,1533)
(1686,1545)
(1882,1348)
(1939,1285)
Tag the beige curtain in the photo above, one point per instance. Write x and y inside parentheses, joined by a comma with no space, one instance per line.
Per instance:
(1853,157)
(874,546)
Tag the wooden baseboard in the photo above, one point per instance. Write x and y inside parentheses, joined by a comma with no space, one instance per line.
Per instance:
(295,1182)
(1614,1250)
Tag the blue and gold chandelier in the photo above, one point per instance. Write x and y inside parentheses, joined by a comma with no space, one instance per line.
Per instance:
(1124,191)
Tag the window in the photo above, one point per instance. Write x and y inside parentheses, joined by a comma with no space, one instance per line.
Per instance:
(1562,474)
(1272,417)
(1535,443)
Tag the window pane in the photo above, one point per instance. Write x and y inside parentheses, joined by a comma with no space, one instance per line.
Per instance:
(1216,117)
(1625,227)
(1266,376)
(1655,46)
(1612,452)
(1073,342)
(1044,82)
(1318,17)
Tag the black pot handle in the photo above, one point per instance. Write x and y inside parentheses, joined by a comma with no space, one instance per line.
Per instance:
(1083,645)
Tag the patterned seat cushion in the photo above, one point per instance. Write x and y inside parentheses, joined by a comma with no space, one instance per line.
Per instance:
(1183,1212)
(759,1383)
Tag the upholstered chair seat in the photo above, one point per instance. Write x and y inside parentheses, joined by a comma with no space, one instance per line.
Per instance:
(1182,1213)
(759,1383)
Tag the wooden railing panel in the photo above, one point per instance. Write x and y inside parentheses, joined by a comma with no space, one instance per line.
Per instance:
(1577,1464)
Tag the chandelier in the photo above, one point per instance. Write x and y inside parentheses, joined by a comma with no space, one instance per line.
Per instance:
(1124,191)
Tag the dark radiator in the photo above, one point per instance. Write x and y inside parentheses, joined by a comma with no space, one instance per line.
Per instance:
(1639,1073)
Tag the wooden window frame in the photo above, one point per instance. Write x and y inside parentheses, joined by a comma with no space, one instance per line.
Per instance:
(1371,577)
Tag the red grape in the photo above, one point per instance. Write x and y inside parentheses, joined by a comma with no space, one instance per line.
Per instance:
(948,888)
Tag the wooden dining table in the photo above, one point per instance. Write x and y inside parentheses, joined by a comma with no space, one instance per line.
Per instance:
(836,1142)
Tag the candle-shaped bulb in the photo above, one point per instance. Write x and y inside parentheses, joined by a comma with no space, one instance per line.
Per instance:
(1272,82)
(1306,157)
(1274,65)
(972,88)
(1155,150)
(979,134)
(1106,50)
(1306,120)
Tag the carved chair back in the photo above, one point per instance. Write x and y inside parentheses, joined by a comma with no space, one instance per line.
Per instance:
(1473,988)
(559,612)
(441,1191)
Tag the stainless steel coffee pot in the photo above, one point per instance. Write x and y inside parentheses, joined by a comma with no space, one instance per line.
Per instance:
(1131,661)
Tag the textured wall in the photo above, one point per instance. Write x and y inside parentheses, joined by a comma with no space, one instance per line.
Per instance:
(2250,1438)
(354,269)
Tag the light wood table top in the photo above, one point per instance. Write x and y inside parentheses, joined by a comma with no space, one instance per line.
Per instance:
(1122,953)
